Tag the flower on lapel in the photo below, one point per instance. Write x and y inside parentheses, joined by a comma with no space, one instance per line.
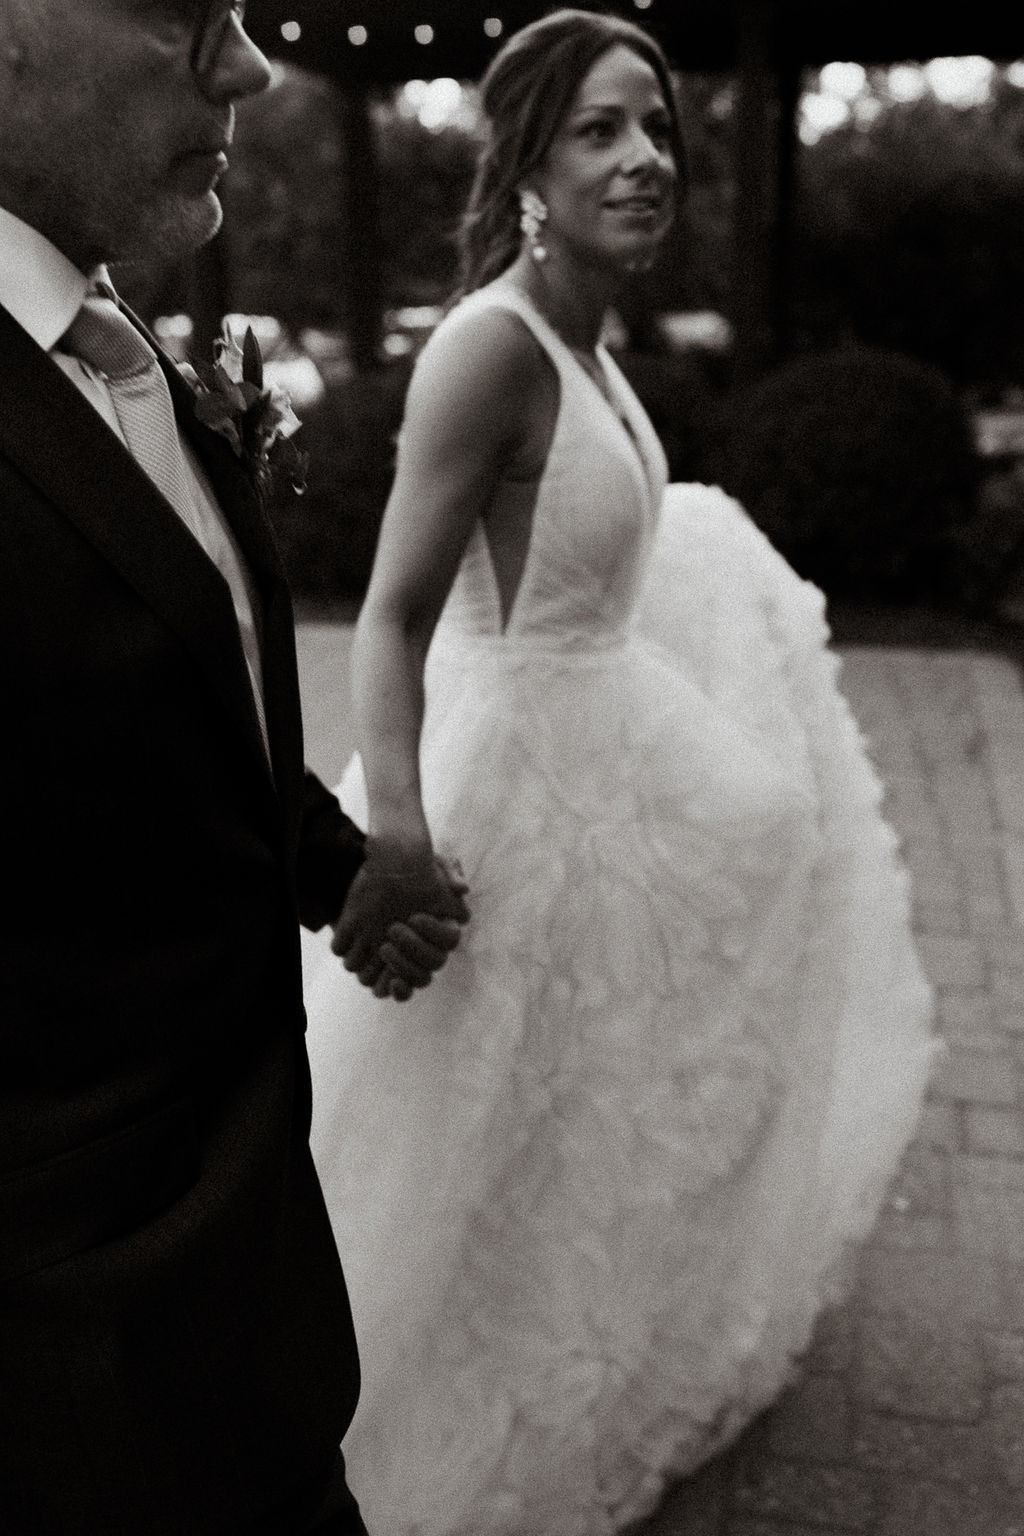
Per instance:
(256,418)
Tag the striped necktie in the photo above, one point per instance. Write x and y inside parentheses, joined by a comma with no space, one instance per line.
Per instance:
(103,336)
(107,340)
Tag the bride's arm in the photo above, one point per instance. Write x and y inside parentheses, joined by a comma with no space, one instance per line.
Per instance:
(466,411)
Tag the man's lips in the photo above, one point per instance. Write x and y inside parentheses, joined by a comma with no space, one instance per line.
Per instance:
(209,158)
(208,152)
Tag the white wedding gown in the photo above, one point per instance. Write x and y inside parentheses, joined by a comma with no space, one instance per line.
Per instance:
(592,1186)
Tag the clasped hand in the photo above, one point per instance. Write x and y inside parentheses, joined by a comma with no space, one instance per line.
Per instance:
(402,917)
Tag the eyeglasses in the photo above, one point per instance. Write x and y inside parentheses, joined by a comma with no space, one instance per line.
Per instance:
(212,31)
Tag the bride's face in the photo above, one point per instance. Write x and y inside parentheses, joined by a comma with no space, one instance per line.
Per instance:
(609,177)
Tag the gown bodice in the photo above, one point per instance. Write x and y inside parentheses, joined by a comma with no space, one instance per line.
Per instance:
(594,517)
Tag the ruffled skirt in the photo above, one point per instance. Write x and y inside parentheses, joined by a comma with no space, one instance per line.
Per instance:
(592,1186)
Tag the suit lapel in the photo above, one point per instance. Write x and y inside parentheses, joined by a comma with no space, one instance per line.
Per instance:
(65,448)
(244,511)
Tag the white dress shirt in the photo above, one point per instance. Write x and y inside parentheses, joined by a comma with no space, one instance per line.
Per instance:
(44,292)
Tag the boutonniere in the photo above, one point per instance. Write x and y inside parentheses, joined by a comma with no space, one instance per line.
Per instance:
(256,418)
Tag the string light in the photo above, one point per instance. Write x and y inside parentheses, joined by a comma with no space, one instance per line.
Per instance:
(291,31)
(357,36)
(643,5)
(494,26)
(424,34)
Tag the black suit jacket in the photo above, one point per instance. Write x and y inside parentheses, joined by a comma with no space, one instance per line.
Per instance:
(175,1342)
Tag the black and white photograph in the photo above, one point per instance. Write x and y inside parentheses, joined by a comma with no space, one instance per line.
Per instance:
(512,666)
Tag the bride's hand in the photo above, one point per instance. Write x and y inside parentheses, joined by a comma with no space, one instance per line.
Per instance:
(403,913)
(414,951)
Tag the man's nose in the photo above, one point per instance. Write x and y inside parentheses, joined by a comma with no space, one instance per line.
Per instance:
(240,68)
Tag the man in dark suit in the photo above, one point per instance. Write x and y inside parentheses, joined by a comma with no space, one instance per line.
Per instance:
(176,1350)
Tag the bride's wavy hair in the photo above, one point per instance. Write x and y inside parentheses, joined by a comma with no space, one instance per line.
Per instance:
(526,93)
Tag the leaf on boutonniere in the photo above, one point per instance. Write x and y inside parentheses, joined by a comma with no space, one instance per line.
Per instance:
(256,419)
(214,411)
(252,360)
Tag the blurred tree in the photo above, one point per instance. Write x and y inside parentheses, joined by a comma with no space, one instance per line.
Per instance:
(910,226)
(425,179)
(286,202)
(911,235)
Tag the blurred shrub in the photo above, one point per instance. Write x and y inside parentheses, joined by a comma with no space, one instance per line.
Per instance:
(676,390)
(859,466)
(988,549)
(328,536)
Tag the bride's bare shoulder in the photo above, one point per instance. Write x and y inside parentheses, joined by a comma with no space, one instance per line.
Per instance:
(484,354)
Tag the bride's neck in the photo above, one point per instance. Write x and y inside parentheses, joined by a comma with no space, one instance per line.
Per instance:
(574,305)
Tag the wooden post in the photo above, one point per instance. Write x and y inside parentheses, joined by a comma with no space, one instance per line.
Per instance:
(790,78)
(755,127)
(361,253)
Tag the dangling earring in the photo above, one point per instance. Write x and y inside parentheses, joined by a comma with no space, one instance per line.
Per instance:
(534,213)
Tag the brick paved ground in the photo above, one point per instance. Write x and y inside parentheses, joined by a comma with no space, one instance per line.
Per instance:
(908,1417)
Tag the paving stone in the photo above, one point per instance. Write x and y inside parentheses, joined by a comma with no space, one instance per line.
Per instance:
(908,808)
(939,920)
(892,1280)
(934,1509)
(987,911)
(811,1421)
(904,1230)
(967,810)
(836,1498)
(1006,953)
(919,1366)
(744,1527)
(996,1131)
(952,961)
(831,1348)
(931,860)
(978,1077)
(1012,857)
(694,1506)
(1004,1354)
(989,1045)
(937,890)
(980,863)
(1007,988)
(1010,1016)
(988,1204)
(939,1125)
(986,1296)
(1012,1281)
(922,1183)
(964,1015)
(960,1454)
(1008,795)
(996,928)
(1008,1412)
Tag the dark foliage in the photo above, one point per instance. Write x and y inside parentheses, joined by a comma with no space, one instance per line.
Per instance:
(859,466)
(328,536)
(678,393)
(911,236)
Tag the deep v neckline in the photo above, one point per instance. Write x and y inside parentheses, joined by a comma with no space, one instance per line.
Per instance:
(608,396)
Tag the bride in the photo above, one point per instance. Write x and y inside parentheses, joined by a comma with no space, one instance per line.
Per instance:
(592,1186)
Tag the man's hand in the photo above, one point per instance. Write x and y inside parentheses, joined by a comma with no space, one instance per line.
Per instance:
(401,919)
